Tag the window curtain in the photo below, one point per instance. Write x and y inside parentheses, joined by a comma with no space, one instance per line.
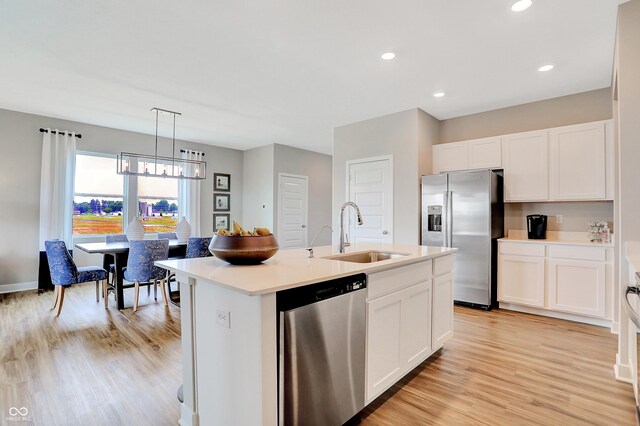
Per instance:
(189,196)
(56,187)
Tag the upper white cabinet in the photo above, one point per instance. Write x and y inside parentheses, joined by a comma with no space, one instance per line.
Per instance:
(525,160)
(567,163)
(450,156)
(577,162)
(485,153)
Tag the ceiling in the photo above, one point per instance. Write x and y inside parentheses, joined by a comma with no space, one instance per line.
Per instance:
(250,73)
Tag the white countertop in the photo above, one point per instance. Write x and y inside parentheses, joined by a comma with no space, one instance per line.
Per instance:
(292,268)
(554,237)
(633,254)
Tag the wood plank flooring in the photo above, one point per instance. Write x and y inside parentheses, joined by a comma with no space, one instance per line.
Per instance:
(93,366)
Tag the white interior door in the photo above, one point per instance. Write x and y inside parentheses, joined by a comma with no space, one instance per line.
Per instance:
(370,186)
(292,210)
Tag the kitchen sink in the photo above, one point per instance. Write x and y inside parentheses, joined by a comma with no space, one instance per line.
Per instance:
(367,256)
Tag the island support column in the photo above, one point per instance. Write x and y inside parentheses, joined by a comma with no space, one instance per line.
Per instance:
(229,365)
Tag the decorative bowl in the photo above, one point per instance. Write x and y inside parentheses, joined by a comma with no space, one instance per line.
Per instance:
(239,250)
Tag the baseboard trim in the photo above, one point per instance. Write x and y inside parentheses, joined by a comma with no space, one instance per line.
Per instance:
(615,327)
(554,314)
(622,371)
(14,288)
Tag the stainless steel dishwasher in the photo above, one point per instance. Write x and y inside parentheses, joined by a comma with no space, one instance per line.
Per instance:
(322,352)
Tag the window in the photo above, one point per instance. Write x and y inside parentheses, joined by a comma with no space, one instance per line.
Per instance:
(158,203)
(99,196)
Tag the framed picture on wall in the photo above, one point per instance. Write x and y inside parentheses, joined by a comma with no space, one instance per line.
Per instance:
(221,221)
(221,202)
(221,182)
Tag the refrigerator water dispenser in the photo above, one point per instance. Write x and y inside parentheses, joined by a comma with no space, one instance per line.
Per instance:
(434,218)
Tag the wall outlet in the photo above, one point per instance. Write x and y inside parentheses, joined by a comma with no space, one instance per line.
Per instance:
(558,218)
(223,318)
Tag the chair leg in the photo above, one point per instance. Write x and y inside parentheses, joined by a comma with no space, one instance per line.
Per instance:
(55,297)
(148,290)
(61,300)
(164,293)
(97,291)
(136,293)
(105,291)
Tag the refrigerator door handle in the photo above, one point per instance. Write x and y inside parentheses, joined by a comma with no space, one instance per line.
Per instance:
(450,218)
(445,219)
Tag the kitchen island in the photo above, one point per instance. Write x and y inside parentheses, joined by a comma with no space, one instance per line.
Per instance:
(229,323)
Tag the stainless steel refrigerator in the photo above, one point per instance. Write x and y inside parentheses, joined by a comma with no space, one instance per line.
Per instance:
(465,210)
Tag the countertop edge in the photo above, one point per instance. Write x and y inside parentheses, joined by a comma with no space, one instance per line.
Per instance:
(556,242)
(370,268)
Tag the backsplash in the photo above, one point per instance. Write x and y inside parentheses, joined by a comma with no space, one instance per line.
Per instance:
(575,215)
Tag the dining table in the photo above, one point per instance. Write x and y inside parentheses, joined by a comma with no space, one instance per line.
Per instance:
(120,253)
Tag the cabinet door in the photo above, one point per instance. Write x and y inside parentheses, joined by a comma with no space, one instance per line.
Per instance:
(385,362)
(450,156)
(577,286)
(525,163)
(577,162)
(521,280)
(442,328)
(485,153)
(416,321)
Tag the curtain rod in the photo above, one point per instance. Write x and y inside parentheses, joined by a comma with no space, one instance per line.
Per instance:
(78,135)
(192,152)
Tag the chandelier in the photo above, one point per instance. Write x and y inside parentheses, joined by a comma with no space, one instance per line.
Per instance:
(130,163)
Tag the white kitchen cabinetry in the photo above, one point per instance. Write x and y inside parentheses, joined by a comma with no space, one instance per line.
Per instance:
(577,286)
(521,280)
(442,324)
(485,153)
(525,163)
(577,162)
(450,156)
(557,279)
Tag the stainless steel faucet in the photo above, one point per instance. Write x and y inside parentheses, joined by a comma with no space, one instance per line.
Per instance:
(310,249)
(342,209)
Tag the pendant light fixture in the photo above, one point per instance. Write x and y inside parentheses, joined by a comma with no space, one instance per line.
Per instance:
(130,163)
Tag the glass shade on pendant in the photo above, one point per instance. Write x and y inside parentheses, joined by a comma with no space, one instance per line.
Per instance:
(156,166)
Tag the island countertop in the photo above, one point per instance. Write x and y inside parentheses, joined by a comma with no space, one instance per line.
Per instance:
(293,268)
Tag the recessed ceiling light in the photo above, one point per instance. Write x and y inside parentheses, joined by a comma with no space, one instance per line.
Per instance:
(388,56)
(438,94)
(521,5)
(544,68)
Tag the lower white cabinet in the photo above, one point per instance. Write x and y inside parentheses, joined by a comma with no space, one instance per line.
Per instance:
(521,280)
(577,286)
(398,335)
(442,319)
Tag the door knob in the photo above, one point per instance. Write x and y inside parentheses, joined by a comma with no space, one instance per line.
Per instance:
(385,232)
(304,226)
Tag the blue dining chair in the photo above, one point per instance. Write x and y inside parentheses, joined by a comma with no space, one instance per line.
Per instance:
(167,236)
(196,247)
(64,272)
(141,268)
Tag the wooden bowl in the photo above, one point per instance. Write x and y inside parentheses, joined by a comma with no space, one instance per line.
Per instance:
(243,250)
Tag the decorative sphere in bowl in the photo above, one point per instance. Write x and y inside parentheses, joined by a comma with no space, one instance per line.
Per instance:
(239,250)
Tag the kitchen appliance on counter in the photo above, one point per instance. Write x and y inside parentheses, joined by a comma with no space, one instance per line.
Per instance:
(322,352)
(537,226)
(465,210)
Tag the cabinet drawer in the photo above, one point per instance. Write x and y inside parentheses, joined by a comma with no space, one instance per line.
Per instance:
(522,249)
(577,252)
(442,265)
(389,281)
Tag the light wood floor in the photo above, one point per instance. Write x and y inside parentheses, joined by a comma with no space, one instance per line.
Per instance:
(93,366)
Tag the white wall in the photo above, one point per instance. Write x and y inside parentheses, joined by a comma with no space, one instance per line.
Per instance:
(257,194)
(20,182)
(317,167)
(407,136)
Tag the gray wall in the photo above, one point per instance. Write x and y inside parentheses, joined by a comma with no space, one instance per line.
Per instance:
(317,167)
(20,181)
(407,136)
(257,196)
(578,108)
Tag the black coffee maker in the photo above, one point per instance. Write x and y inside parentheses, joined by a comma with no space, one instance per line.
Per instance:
(537,226)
